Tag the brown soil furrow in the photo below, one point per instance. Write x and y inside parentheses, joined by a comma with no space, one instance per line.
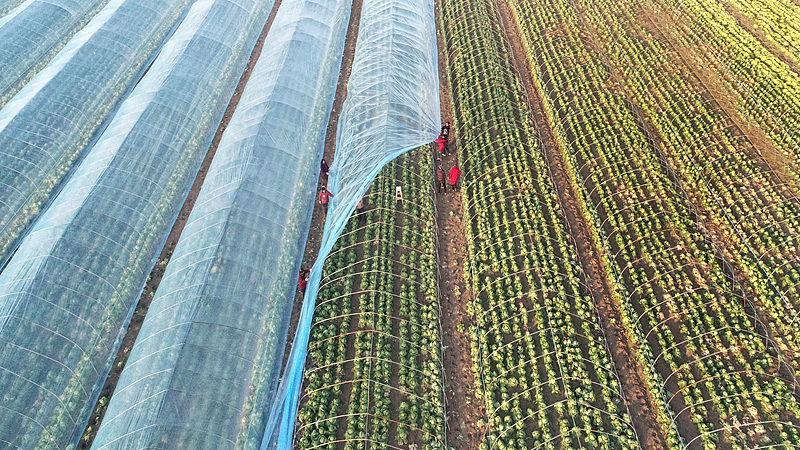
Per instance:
(464,411)
(596,277)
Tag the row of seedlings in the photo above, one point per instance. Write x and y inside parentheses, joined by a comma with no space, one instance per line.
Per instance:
(753,216)
(776,23)
(540,357)
(373,376)
(706,362)
(765,88)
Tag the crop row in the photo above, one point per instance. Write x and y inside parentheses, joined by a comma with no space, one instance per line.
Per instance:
(768,90)
(540,356)
(374,371)
(775,22)
(754,217)
(715,377)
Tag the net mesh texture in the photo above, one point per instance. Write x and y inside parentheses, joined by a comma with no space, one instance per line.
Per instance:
(47,125)
(67,294)
(392,106)
(208,356)
(6,6)
(33,33)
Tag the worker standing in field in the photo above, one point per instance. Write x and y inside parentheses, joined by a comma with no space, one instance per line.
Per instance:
(302,279)
(446,131)
(442,146)
(440,179)
(323,168)
(324,197)
(454,173)
(360,211)
(446,135)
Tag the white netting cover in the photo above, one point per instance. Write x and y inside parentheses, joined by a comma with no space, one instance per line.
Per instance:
(207,359)
(7,5)
(32,32)
(392,106)
(67,294)
(47,125)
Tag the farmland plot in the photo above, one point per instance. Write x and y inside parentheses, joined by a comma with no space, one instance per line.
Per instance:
(374,369)
(718,381)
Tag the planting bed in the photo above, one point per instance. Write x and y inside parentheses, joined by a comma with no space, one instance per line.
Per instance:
(374,364)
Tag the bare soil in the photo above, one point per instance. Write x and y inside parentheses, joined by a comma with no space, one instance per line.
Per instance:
(464,411)
(595,275)
(314,239)
(154,280)
(318,218)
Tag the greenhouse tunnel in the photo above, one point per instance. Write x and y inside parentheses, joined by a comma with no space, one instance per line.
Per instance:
(67,295)
(34,160)
(392,106)
(207,359)
(33,33)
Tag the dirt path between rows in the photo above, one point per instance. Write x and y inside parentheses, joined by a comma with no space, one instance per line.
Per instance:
(154,280)
(318,219)
(621,347)
(463,410)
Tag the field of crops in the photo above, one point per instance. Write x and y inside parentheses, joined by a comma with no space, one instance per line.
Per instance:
(616,267)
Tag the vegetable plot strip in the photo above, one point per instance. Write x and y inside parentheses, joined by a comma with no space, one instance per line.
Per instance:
(753,216)
(68,293)
(392,107)
(45,128)
(776,23)
(765,214)
(213,339)
(539,351)
(765,88)
(33,33)
(706,359)
(374,373)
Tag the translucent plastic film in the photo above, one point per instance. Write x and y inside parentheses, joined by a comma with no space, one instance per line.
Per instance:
(208,356)
(392,106)
(67,294)
(47,125)
(7,5)
(33,32)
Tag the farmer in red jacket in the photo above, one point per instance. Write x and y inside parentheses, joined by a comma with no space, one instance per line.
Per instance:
(442,145)
(324,196)
(454,173)
(323,168)
(302,279)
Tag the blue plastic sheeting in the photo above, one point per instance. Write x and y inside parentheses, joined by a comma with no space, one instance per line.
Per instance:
(47,125)
(208,356)
(33,33)
(392,106)
(67,294)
